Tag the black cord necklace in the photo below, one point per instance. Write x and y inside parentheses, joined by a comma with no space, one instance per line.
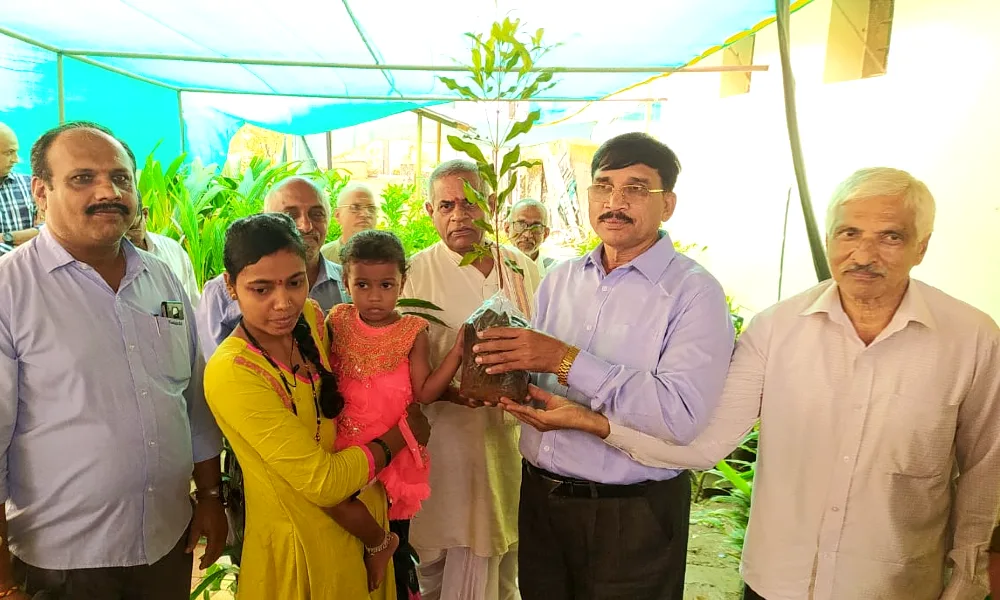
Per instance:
(281,374)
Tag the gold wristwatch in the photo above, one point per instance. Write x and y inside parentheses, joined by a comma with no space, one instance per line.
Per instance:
(562,373)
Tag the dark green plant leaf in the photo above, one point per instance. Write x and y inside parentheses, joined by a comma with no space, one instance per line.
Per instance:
(474,197)
(509,159)
(417,303)
(430,318)
(484,226)
(467,147)
(522,127)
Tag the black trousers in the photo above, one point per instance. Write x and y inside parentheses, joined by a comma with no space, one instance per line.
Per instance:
(749,594)
(167,579)
(624,544)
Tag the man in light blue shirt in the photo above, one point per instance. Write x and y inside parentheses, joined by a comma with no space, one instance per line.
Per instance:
(102,417)
(642,334)
(299,198)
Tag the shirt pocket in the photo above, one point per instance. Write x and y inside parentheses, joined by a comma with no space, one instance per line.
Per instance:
(166,348)
(919,436)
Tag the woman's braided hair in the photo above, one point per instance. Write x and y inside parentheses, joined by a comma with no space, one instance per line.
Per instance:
(331,402)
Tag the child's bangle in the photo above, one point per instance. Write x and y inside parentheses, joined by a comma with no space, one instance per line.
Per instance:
(382,445)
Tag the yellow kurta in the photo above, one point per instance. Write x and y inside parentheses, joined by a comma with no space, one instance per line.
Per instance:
(292,549)
(476,465)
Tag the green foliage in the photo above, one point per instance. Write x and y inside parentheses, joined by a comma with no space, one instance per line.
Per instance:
(218,577)
(733,489)
(403,213)
(498,71)
(332,181)
(194,204)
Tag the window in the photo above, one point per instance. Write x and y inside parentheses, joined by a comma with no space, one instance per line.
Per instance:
(858,39)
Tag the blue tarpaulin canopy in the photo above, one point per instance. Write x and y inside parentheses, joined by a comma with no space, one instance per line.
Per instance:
(188,73)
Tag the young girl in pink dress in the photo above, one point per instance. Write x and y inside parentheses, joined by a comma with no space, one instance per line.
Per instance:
(382,361)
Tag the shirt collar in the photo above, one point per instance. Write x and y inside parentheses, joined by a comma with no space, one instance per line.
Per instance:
(53,256)
(651,263)
(328,271)
(913,308)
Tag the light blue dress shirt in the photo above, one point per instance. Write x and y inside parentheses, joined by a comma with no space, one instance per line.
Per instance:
(655,337)
(218,314)
(102,413)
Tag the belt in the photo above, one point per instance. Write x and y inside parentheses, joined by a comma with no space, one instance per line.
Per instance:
(569,487)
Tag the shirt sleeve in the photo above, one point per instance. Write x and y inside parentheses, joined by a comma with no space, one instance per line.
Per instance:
(246,405)
(9,373)
(735,416)
(977,494)
(210,316)
(686,383)
(189,281)
(206,439)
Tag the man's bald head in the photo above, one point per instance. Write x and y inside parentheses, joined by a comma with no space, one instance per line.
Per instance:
(306,203)
(356,210)
(8,149)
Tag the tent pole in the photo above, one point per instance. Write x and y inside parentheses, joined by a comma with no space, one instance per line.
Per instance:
(329,150)
(782,14)
(60,88)
(437,153)
(419,167)
(180,117)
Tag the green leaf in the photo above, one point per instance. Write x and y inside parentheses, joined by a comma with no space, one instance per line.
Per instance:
(733,477)
(207,582)
(524,126)
(454,86)
(484,226)
(474,197)
(429,318)
(507,191)
(417,303)
(470,149)
(488,174)
(469,258)
(513,266)
(509,159)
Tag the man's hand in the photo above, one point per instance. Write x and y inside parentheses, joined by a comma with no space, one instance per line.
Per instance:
(18,595)
(210,521)
(516,349)
(557,413)
(455,397)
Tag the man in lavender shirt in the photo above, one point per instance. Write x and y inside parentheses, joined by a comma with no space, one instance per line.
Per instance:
(642,334)
(102,418)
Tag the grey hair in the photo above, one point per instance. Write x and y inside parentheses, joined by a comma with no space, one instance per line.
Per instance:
(351,188)
(525,203)
(885,181)
(320,192)
(455,167)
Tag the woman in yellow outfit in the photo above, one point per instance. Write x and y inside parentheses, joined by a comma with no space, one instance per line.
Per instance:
(272,392)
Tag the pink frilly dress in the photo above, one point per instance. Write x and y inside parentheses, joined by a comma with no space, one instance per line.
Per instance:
(373,367)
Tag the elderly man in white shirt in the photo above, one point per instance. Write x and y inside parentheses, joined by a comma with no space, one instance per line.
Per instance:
(165,249)
(873,391)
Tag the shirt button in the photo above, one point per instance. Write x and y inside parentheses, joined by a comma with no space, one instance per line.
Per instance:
(152,443)
(604,288)
(589,327)
(149,489)
(847,459)
(546,448)
(835,509)
(145,393)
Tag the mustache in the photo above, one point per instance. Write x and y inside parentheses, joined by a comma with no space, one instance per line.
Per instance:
(863,269)
(617,215)
(108,207)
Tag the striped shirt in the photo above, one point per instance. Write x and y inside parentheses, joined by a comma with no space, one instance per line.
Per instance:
(17,207)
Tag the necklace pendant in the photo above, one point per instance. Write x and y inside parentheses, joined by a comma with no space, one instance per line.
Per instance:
(317,435)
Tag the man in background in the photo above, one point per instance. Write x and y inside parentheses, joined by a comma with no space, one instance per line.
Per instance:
(307,205)
(17,208)
(167,250)
(356,211)
(528,228)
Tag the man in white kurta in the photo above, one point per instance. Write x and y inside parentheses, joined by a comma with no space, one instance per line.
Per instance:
(466,532)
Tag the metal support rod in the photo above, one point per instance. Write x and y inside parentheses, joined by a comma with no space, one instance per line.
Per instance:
(329,150)
(266,62)
(782,15)
(60,88)
(409,98)
(418,168)
(180,117)
(437,152)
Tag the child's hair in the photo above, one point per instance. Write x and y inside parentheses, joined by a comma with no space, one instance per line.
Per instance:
(252,238)
(375,246)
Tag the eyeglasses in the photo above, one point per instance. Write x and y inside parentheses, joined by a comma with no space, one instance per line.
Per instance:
(357,209)
(633,193)
(520,227)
